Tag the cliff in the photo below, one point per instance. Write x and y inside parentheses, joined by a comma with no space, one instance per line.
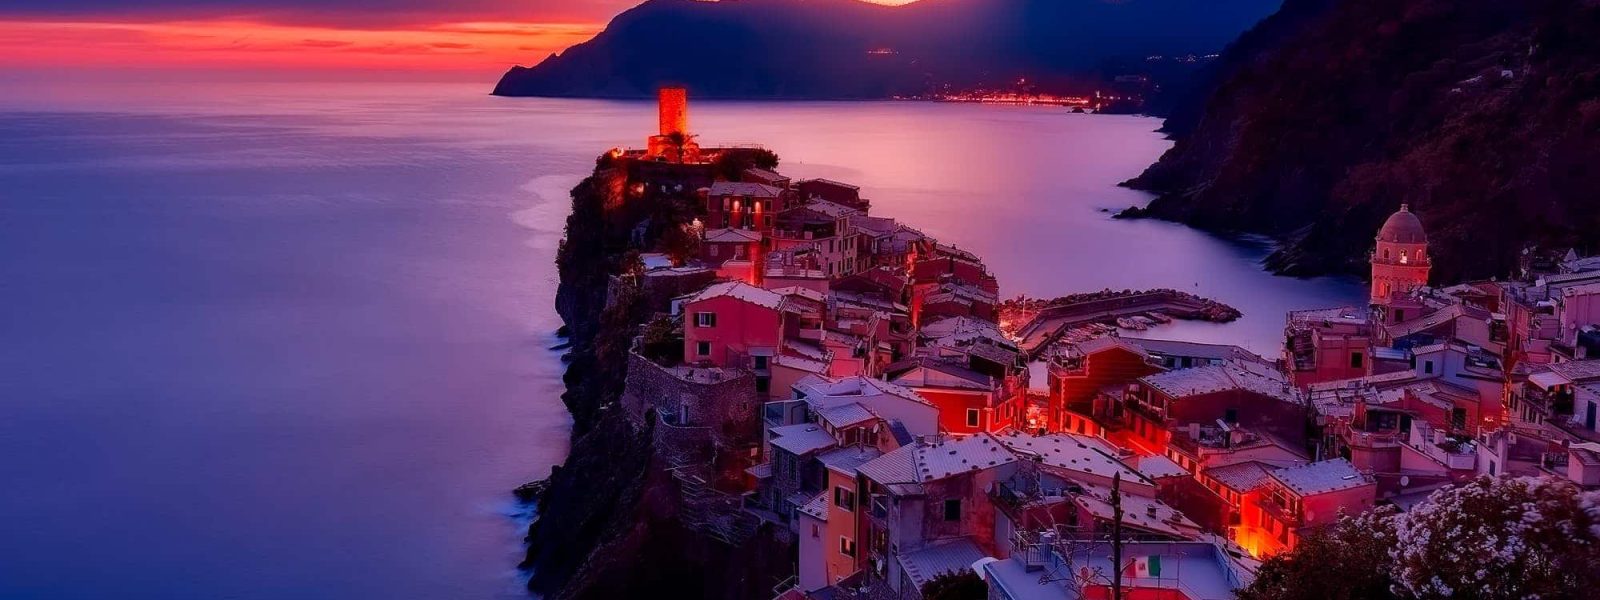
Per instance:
(851,49)
(612,520)
(1315,125)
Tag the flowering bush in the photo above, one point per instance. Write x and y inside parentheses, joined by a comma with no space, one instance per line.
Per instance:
(1490,539)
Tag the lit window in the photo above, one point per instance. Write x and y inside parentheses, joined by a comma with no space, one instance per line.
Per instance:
(847,546)
(705,319)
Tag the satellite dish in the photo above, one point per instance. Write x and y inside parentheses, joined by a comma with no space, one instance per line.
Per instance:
(1405,480)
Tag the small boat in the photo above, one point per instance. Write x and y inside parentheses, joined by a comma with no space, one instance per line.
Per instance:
(1143,320)
(1127,323)
(1159,317)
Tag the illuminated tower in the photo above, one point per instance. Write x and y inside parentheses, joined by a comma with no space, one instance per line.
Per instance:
(1400,261)
(673,105)
(673,143)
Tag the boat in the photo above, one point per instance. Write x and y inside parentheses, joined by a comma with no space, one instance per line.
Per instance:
(1158,317)
(1127,323)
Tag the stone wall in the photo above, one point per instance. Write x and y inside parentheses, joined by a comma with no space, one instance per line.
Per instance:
(722,400)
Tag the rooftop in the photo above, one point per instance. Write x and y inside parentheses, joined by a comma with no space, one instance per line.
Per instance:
(727,235)
(801,438)
(847,460)
(945,556)
(1403,227)
(1241,477)
(940,459)
(1221,378)
(744,188)
(739,290)
(1071,452)
(1320,477)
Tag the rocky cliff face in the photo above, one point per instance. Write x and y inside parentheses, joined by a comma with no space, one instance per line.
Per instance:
(852,49)
(609,521)
(1318,123)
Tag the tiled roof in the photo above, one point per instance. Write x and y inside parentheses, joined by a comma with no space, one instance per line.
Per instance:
(847,460)
(830,182)
(924,461)
(801,438)
(1194,349)
(962,376)
(727,235)
(744,188)
(1241,477)
(899,466)
(945,556)
(1219,378)
(740,291)
(845,415)
(1320,477)
(1070,452)
(832,209)
(1157,466)
(815,506)
(951,456)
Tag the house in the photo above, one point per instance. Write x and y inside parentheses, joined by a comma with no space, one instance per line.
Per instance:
(743,205)
(1327,344)
(969,401)
(832,191)
(1297,499)
(735,254)
(1235,394)
(1077,373)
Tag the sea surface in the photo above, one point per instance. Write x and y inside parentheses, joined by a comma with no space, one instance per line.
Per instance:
(295,340)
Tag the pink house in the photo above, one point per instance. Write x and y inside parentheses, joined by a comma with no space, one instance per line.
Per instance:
(733,324)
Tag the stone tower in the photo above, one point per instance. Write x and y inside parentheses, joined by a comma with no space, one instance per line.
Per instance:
(673,143)
(672,103)
(1400,261)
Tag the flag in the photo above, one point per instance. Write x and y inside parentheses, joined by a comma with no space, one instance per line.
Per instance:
(1143,566)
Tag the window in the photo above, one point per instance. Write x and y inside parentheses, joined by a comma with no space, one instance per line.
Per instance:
(1230,415)
(847,546)
(760,362)
(1355,360)
(844,498)
(972,417)
(1399,315)
(705,319)
(952,509)
(702,348)
(1427,366)
(1458,418)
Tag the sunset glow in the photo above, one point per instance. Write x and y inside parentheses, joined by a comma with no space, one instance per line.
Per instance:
(468,46)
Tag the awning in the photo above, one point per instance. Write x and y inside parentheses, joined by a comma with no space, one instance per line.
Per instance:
(1548,379)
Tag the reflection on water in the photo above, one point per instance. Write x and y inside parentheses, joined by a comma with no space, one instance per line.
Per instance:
(269,341)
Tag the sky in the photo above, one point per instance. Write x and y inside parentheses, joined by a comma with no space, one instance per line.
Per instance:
(421,39)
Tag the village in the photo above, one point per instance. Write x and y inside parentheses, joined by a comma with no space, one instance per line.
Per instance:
(842,381)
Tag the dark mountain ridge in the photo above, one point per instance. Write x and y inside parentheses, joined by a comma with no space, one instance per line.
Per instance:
(1483,115)
(854,49)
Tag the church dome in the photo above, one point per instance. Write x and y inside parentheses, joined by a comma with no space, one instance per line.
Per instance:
(1403,227)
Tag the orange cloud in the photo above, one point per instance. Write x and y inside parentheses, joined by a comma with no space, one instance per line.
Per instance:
(487,47)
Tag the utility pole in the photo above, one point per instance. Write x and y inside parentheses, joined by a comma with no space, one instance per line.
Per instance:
(1116,536)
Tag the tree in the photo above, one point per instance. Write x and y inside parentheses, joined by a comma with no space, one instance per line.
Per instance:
(965,585)
(1500,538)
(733,161)
(1490,539)
(1347,560)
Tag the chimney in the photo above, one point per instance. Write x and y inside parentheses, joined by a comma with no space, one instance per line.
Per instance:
(673,106)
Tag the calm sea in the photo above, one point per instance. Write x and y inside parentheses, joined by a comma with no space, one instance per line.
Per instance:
(293,341)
